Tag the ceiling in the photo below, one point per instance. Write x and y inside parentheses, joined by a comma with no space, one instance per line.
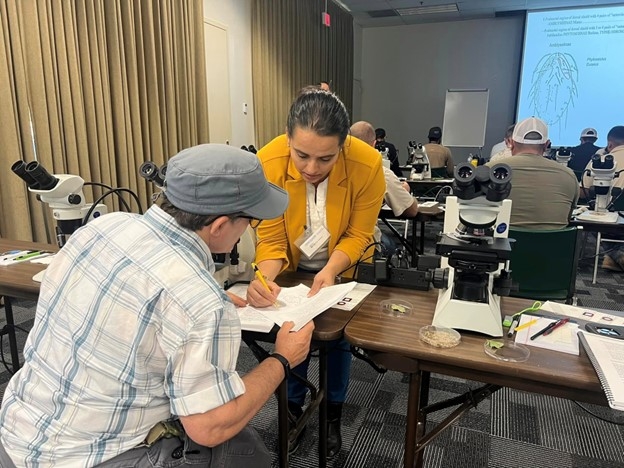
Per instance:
(376,13)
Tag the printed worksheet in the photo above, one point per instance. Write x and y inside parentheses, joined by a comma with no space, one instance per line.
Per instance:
(294,304)
(355,296)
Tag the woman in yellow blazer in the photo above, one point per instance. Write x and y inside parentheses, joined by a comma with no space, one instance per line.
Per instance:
(336,186)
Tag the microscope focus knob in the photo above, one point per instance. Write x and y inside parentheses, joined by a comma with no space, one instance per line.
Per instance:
(74,199)
(440,278)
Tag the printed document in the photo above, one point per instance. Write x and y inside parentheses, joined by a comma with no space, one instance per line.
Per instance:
(293,304)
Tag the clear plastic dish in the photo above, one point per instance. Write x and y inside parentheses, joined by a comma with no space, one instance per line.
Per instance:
(510,351)
(396,307)
(440,337)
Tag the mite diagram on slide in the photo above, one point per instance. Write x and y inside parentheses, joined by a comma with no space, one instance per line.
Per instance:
(554,88)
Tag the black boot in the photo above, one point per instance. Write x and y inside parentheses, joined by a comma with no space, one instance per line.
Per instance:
(334,438)
(296,411)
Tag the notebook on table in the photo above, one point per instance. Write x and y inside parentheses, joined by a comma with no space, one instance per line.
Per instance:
(607,356)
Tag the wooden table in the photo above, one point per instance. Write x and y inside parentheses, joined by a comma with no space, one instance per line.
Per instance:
(423,215)
(394,343)
(420,187)
(16,283)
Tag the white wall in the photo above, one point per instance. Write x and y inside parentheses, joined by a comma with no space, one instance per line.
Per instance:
(406,70)
(235,16)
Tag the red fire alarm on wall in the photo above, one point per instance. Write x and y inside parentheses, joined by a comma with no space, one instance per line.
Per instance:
(326,19)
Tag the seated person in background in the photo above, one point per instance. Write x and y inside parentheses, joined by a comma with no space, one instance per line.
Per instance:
(439,156)
(505,152)
(543,192)
(132,329)
(336,188)
(398,194)
(582,153)
(614,259)
(324,85)
(497,148)
(380,144)
(615,147)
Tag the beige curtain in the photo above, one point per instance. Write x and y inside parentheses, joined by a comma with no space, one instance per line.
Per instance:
(290,49)
(95,88)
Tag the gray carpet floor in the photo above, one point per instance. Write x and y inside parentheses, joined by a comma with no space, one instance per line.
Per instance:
(509,429)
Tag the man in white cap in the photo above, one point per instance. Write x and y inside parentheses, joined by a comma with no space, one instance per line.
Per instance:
(543,192)
(132,333)
(582,153)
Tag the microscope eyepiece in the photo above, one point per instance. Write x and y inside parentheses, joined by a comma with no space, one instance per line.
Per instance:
(150,171)
(500,182)
(19,169)
(599,163)
(608,162)
(500,173)
(464,174)
(43,178)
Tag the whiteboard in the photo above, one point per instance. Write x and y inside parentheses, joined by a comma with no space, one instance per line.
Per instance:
(465,115)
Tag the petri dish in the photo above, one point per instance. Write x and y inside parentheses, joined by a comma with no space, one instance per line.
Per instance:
(440,337)
(510,351)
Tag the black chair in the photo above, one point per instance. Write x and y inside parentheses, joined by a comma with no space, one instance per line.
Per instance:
(544,263)
(439,173)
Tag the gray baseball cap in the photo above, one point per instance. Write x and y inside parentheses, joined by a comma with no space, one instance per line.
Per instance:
(216,179)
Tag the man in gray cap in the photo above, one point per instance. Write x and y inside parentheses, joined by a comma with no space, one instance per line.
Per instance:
(131,359)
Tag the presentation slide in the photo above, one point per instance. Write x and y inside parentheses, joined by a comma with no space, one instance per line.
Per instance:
(572,71)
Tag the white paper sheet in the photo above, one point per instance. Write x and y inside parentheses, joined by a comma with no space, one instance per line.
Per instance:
(251,319)
(355,296)
(582,313)
(295,305)
(562,338)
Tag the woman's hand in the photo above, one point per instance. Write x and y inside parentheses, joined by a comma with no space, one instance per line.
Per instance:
(258,296)
(322,279)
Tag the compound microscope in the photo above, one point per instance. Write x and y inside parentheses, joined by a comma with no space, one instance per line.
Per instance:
(421,168)
(475,251)
(63,192)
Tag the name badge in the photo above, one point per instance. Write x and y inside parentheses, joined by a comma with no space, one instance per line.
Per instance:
(313,241)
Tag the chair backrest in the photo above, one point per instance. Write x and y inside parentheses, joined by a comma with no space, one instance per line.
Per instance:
(617,201)
(438,173)
(544,263)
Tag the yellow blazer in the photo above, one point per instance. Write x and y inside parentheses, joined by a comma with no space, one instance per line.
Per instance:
(355,192)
